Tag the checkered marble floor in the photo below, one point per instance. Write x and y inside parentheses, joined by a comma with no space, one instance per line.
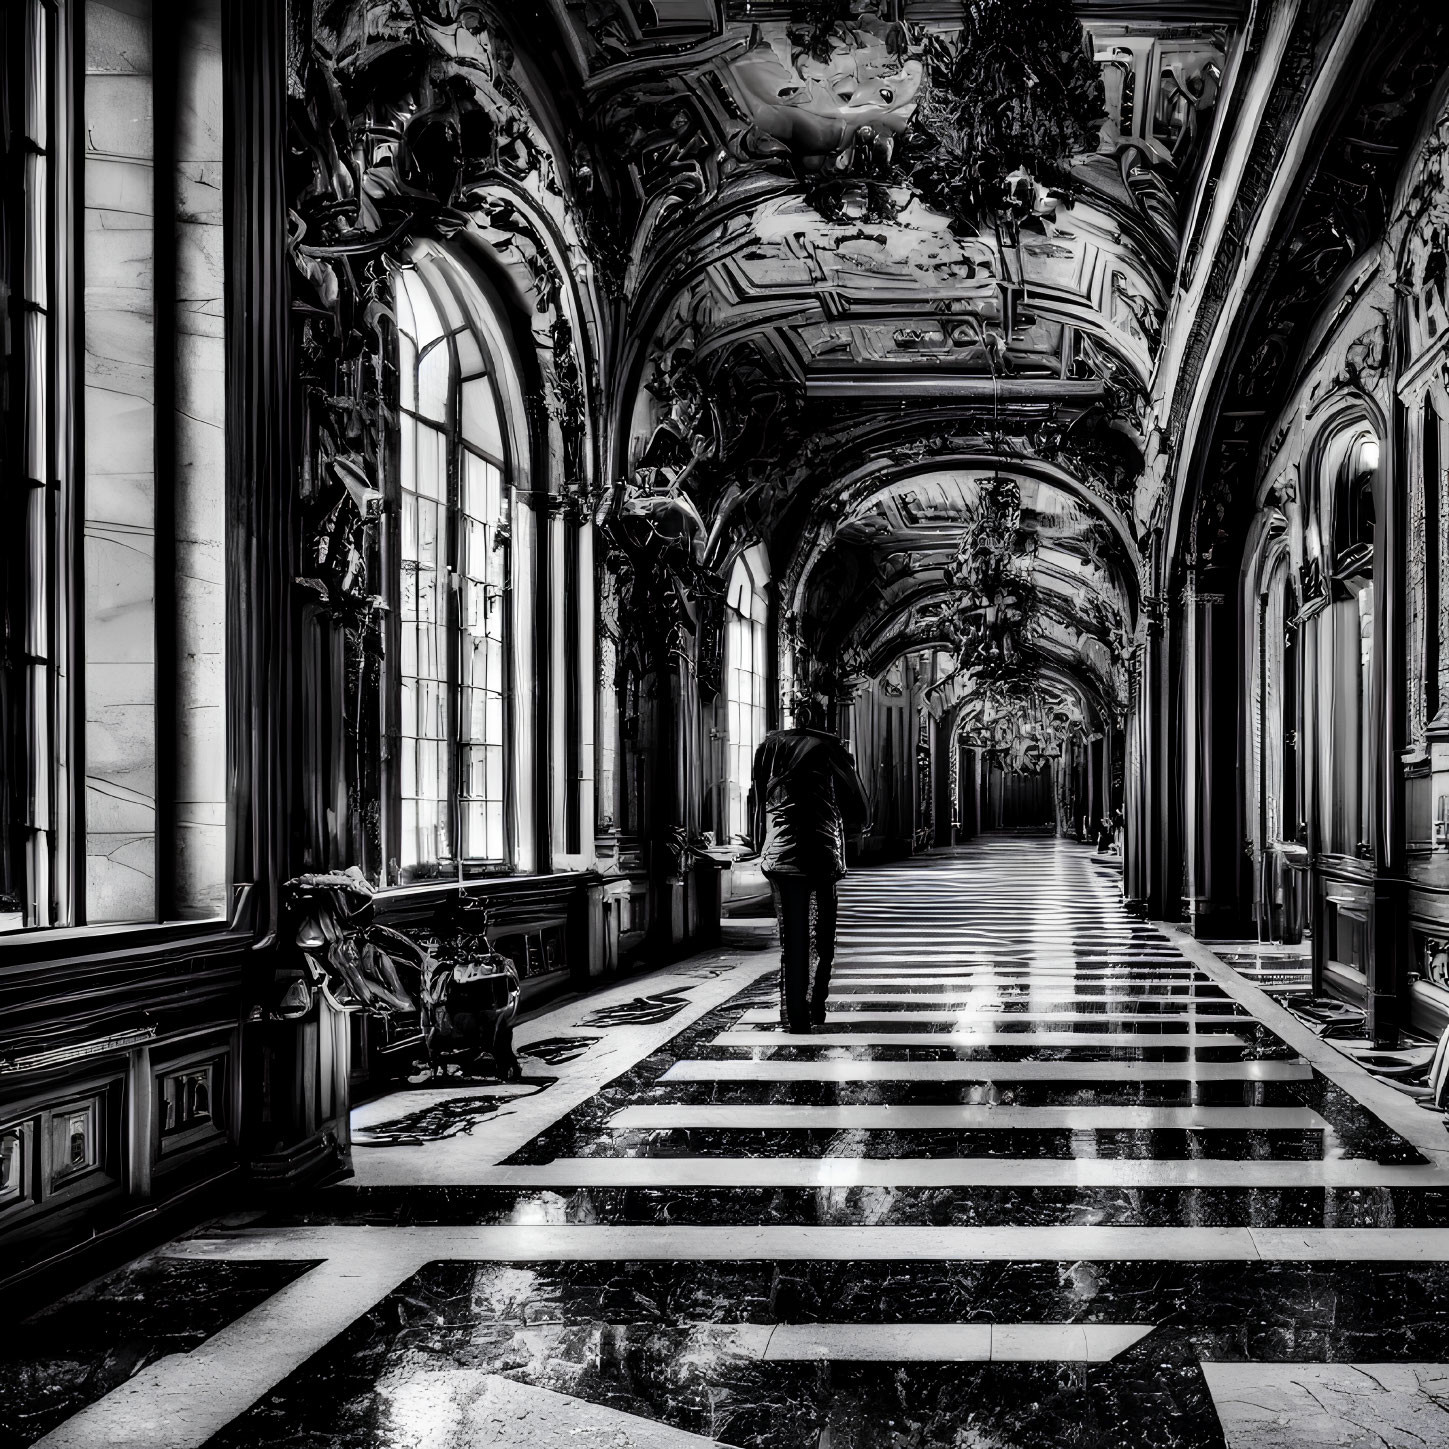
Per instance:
(1047,1175)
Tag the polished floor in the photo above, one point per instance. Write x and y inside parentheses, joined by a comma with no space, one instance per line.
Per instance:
(1047,1176)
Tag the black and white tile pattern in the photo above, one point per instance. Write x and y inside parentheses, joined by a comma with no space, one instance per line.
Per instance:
(1047,1176)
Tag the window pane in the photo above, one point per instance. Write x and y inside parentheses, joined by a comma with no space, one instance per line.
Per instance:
(744,694)
(37,77)
(446,303)
(37,249)
(37,414)
(482,614)
(435,371)
(470,355)
(407,374)
(423,654)
(426,327)
(431,476)
(406,323)
(479,420)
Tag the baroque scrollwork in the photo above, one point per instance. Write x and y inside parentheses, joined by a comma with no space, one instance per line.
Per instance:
(658,539)
(405,123)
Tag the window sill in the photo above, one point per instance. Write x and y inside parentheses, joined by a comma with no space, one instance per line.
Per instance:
(412,890)
(31,948)
(403,898)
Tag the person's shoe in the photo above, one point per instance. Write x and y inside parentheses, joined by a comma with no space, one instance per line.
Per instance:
(799,1029)
(819,997)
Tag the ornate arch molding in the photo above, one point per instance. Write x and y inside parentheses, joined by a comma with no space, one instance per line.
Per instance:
(952,694)
(412,144)
(1335,422)
(895,631)
(409,130)
(928,585)
(856,490)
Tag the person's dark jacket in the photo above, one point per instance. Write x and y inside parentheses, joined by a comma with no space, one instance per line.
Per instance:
(804,782)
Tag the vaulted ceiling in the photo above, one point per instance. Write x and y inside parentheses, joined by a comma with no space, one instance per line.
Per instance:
(868,338)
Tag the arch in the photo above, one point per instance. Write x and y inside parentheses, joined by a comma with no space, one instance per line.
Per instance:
(858,489)
(494,312)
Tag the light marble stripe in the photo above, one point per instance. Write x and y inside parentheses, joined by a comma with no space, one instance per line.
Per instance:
(953,1117)
(975,981)
(1330,1405)
(973,975)
(407,1248)
(987,936)
(915,916)
(989,941)
(864,999)
(459,1408)
(1084,930)
(923,1342)
(1041,953)
(454,1160)
(943,956)
(763,1015)
(183,1399)
(1014,1172)
(759,1036)
(735,1070)
(984,981)
(1393,1108)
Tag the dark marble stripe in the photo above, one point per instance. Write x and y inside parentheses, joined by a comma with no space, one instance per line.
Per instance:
(620,1335)
(76,1351)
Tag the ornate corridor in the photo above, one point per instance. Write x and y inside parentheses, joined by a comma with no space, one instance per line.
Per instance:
(510,504)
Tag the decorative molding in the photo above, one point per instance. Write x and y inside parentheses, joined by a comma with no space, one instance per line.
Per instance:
(119,1041)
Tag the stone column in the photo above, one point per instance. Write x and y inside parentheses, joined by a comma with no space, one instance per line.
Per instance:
(1209,787)
(1137,786)
(1388,717)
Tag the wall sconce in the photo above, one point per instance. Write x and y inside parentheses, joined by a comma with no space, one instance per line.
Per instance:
(1441,821)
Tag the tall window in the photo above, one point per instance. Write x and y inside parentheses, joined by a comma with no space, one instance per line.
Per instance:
(1352,613)
(1431,485)
(112,584)
(745,666)
(452,606)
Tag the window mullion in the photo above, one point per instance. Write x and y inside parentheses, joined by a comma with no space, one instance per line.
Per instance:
(43,866)
(455,605)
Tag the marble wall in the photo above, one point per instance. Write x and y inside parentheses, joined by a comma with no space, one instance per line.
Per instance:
(120,457)
(200,478)
(129,680)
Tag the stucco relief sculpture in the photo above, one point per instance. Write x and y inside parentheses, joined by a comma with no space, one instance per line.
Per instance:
(657,535)
(837,95)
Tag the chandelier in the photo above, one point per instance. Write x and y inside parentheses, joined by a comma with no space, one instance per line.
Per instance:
(994,618)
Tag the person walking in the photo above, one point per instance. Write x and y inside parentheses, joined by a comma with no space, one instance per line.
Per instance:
(805,787)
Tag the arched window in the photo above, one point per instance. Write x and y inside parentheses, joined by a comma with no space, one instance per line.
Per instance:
(1353,514)
(746,670)
(1350,469)
(450,785)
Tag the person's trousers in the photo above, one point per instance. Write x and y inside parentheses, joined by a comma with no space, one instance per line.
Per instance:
(797,900)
